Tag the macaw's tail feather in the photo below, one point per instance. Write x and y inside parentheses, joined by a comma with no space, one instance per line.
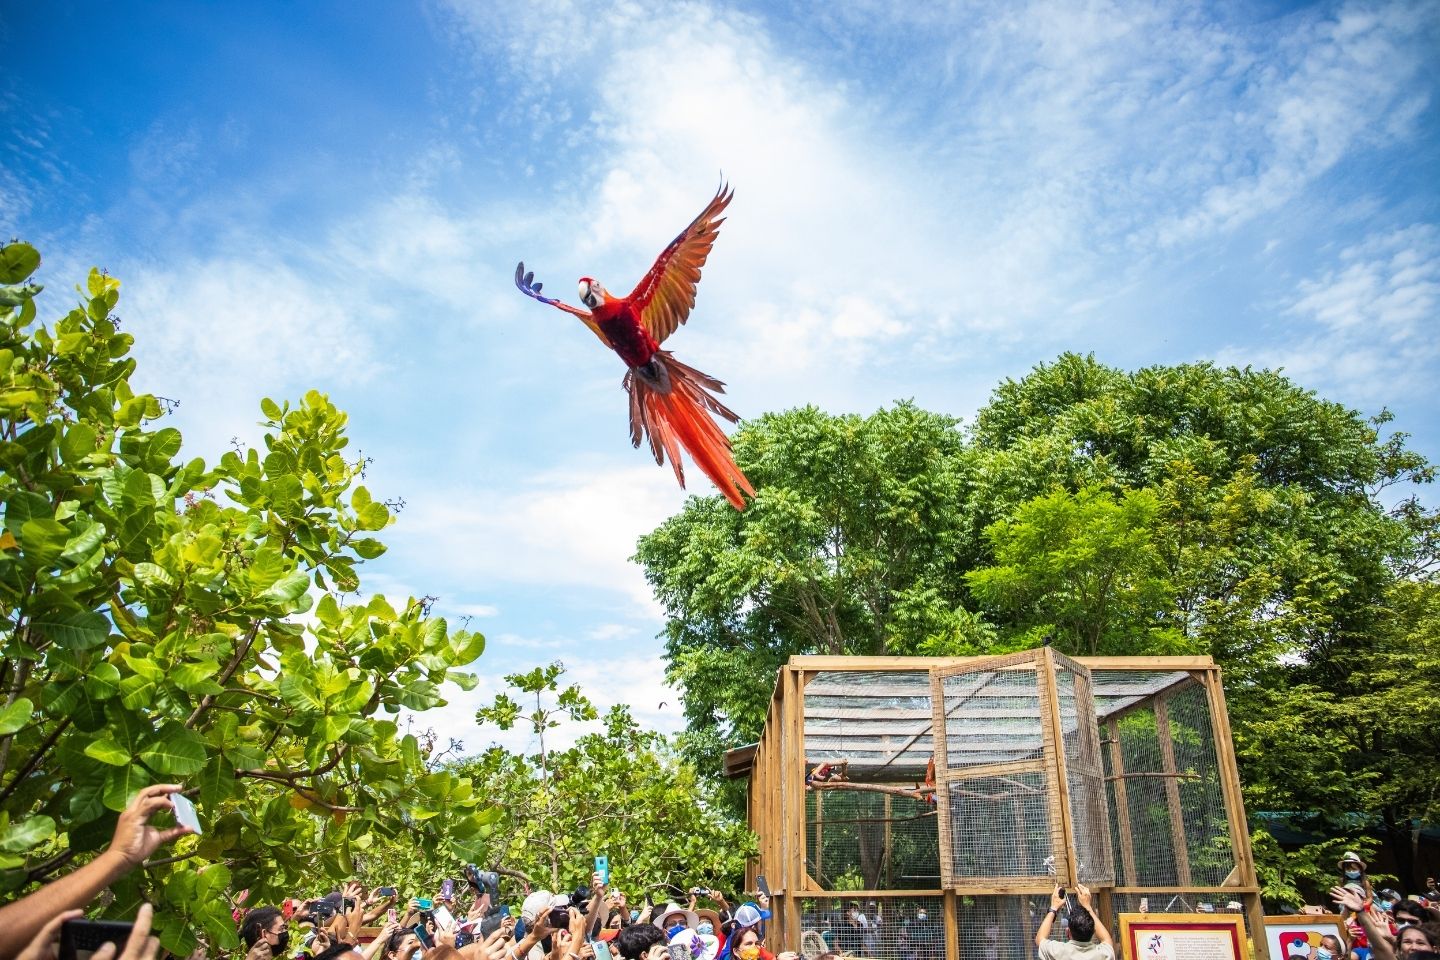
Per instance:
(671,404)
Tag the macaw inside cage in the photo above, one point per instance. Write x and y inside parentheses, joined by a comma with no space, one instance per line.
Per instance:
(918,808)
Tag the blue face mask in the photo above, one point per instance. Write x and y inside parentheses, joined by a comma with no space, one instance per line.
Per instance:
(1352,874)
(706,928)
(672,931)
(1323,954)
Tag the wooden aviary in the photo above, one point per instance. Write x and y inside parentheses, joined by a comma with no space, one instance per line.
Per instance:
(948,796)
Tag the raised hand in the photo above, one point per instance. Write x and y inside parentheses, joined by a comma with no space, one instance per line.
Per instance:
(135,839)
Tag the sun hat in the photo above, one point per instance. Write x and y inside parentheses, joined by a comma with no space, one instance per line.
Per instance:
(671,909)
(1351,857)
(704,913)
(535,904)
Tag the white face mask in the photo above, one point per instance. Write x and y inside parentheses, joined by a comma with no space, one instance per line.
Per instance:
(920,915)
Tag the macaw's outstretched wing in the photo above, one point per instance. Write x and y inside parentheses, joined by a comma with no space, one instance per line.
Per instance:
(665,295)
(525,283)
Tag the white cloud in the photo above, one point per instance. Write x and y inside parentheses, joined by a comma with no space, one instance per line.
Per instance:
(1365,325)
(577,524)
(220,333)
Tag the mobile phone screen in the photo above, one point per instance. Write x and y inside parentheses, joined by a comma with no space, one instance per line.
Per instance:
(185,814)
(444,919)
(423,935)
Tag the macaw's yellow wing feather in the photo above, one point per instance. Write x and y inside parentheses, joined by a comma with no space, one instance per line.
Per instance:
(680,418)
(665,295)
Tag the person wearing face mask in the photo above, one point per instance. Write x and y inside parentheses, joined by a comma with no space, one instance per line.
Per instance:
(1354,877)
(265,934)
(1369,931)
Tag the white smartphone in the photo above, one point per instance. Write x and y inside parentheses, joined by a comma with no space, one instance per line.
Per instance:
(185,814)
(444,919)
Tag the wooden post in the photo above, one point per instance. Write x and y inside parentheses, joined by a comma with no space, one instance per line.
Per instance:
(1172,793)
(940,753)
(952,925)
(1122,803)
(1064,852)
(1235,810)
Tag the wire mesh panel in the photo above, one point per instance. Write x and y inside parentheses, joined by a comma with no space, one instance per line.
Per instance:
(1001,927)
(1000,827)
(877,722)
(888,928)
(992,716)
(1164,796)
(1085,777)
(870,841)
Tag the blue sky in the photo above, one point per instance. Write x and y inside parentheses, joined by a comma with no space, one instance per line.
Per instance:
(928,198)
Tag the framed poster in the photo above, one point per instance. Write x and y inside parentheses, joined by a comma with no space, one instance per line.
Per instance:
(1183,936)
(1299,936)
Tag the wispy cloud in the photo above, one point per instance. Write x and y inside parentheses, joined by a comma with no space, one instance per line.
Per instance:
(1364,326)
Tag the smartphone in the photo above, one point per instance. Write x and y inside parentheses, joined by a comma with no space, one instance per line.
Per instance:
(185,814)
(602,950)
(444,919)
(423,935)
(602,867)
(424,903)
(761,885)
(81,938)
(390,915)
(386,892)
(447,890)
(679,951)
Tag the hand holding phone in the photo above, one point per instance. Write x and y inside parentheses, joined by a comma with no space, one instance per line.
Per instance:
(444,919)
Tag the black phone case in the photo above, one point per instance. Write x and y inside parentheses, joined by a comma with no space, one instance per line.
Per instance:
(87,936)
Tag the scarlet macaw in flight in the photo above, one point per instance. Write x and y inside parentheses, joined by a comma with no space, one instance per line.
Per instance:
(670,402)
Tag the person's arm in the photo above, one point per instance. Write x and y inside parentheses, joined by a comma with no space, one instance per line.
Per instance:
(1056,902)
(355,916)
(134,841)
(372,949)
(579,923)
(1380,945)
(1082,893)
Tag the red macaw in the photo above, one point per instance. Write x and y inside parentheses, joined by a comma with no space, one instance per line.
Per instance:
(670,402)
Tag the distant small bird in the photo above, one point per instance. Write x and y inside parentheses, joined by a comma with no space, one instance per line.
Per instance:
(670,402)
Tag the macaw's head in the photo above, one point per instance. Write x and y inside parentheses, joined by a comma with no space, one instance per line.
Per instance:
(592,294)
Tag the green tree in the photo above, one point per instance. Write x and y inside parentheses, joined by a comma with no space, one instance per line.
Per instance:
(1084,566)
(620,792)
(855,545)
(151,631)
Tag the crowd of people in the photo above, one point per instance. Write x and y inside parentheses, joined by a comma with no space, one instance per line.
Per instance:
(467,919)
(1381,924)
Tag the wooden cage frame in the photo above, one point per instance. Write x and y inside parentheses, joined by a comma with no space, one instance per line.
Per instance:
(777,766)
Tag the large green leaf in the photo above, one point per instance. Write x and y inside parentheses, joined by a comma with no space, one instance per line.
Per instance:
(107,751)
(123,783)
(176,752)
(15,716)
(76,629)
(27,834)
(17,261)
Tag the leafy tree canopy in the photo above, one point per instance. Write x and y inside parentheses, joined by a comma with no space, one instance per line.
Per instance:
(1187,508)
(151,632)
(618,792)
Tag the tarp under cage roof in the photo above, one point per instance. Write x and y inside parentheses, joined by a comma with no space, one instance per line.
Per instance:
(882,723)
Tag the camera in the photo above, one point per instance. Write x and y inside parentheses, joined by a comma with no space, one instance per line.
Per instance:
(698,891)
(559,918)
(483,881)
(320,910)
